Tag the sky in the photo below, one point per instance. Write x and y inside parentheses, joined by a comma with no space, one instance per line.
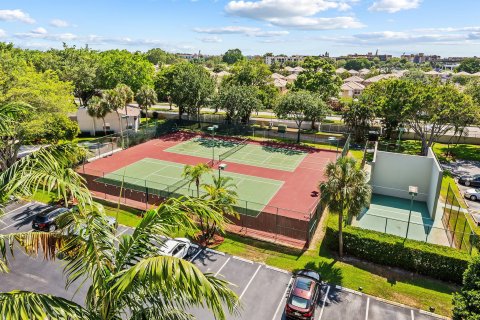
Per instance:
(306,27)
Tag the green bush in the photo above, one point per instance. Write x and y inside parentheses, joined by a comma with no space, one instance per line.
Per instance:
(436,261)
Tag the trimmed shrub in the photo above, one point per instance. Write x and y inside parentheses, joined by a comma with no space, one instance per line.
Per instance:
(440,262)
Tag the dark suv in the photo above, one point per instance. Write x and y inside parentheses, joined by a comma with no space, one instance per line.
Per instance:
(303,296)
(46,220)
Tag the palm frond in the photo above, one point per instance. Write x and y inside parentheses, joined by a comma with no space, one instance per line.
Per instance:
(29,305)
(179,283)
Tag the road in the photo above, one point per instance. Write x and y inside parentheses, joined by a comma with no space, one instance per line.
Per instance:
(262,289)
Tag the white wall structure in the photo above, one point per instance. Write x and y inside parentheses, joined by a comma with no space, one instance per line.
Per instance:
(129,119)
(392,174)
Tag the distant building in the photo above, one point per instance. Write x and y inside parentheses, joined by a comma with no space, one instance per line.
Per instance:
(420,58)
(282,59)
(129,119)
(369,56)
(351,89)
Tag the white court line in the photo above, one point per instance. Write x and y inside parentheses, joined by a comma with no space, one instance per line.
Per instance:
(411,312)
(323,303)
(368,306)
(223,265)
(281,300)
(249,282)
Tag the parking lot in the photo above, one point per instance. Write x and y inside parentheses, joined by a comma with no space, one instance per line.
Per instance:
(262,289)
(465,168)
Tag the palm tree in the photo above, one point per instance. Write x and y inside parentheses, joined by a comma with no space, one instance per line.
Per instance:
(195,173)
(223,193)
(129,277)
(346,189)
(126,93)
(146,97)
(97,108)
(114,101)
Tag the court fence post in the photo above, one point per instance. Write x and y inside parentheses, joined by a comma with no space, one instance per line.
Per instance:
(386,223)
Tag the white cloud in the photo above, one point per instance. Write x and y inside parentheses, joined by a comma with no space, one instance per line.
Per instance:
(2,33)
(58,23)
(212,39)
(295,13)
(16,15)
(392,6)
(39,30)
(248,31)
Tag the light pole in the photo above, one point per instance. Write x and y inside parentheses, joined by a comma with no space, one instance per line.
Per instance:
(412,191)
(212,130)
(221,167)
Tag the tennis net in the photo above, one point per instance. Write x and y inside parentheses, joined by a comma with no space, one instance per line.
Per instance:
(228,153)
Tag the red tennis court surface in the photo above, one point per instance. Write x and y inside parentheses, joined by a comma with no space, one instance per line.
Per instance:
(296,200)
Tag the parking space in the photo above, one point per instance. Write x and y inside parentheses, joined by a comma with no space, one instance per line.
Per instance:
(263,291)
(465,168)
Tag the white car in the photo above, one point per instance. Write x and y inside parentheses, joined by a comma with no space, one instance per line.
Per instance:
(177,247)
(472,194)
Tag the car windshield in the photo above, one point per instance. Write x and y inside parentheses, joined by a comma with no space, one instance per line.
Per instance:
(40,219)
(304,284)
(299,302)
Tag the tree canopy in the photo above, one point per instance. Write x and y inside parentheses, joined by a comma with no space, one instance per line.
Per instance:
(358,64)
(232,56)
(470,65)
(238,101)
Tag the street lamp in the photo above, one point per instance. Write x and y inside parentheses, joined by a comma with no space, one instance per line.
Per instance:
(412,191)
(212,130)
(221,167)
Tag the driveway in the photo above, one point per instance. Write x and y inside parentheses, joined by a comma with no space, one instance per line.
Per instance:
(262,289)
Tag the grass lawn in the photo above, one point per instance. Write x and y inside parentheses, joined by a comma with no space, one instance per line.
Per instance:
(416,291)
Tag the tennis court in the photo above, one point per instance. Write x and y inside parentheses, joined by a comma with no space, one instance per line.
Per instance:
(390,215)
(265,156)
(164,178)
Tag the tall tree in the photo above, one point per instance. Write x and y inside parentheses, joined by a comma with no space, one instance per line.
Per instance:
(300,106)
(121,66)
(232,56)
(470,65)
(345,191)
(238,102)
(358,64)
(193,88)
(164,84)
(466,304)
(319,77)
(129,276)
(195,173)
(146,97)
(358,116)
(222,192)
(256,74)
(98,108)
(114,100)
(160,57)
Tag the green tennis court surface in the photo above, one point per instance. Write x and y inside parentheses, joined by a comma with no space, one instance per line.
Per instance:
(164,179)
(390,215)
(251,154)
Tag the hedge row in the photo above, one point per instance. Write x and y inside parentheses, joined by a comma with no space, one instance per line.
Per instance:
(436,261)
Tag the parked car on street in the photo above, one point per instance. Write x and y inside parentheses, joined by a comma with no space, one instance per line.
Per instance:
(472,194)
(177,247)
(468,181)
(46,220)
(303,296)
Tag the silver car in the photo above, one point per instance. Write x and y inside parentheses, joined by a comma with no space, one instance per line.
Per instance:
(472,194)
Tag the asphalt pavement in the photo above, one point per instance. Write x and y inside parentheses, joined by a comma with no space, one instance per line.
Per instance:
(262,289)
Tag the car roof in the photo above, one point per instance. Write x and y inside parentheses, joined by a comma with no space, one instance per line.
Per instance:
(52,210)
(303,287)
(168,245)
(309,273)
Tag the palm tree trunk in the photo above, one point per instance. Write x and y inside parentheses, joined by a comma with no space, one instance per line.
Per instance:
(121,128)
(340,234)
(197,183)
(104,127)
(94,127)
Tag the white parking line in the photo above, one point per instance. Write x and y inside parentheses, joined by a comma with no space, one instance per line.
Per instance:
(242,259)
(281,300)
(368,306)
(125,230)
(323,303)
(19,208)
(12,224)
(413,316)
(196,255)
(223,265)
(249,282)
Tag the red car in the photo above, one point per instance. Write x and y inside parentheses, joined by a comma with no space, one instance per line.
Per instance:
(303,296)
